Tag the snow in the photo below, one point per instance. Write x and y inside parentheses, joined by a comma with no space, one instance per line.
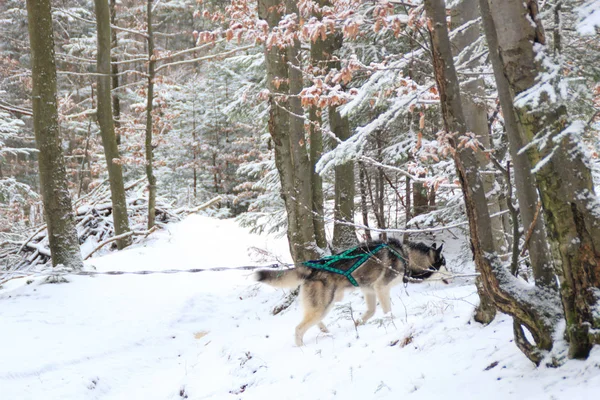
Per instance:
(211,335)
(589,17)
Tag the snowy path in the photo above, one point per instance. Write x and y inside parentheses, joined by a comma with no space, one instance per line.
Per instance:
(210,335)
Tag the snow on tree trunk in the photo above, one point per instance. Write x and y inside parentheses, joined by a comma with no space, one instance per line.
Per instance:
(530,306)
(525,182)
(58,210)
(563,176)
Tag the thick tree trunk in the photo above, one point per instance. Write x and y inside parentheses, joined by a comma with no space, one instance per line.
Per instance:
(525,182)
(149,124)
(531,307)
(303,169)
(107,128)
(58,209)
(564,180)
(287,132)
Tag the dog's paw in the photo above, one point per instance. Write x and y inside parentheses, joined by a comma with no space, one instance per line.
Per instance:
(323,328)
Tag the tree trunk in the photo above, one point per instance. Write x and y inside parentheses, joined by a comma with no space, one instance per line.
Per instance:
(116,106)
(287,132)
(474,108)
(303,198)
(420,197)
(475,114)
(58,209)
(317,57)
(363,200)
(107,128)
(149,124)
(525,183)
(344,234)
(316,150)
(564,180)
(530,306)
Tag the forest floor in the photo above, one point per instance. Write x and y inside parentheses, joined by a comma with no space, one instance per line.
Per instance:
(211,335)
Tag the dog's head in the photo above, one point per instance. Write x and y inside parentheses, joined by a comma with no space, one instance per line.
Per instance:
(438,263)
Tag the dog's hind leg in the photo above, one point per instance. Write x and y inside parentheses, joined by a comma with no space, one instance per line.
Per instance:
(317,300)
(383,294)
(322,327)
(371,303)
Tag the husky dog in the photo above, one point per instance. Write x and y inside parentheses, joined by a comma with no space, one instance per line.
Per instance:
(383,265)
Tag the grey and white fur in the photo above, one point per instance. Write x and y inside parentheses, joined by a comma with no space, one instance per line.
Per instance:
(389,266)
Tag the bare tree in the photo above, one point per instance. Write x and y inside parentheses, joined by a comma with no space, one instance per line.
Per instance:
(149,124)
(58,209)
(531,307)
(286,126)
(106,122)
(563,178)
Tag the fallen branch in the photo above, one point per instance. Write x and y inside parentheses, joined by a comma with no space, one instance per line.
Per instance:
(121,236)
(200,207)
(41,228)
(287,302)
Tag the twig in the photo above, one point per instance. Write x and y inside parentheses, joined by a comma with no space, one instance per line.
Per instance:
(225,54)
(531,227)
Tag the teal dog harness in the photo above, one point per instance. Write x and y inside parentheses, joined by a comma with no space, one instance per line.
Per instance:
(355,253)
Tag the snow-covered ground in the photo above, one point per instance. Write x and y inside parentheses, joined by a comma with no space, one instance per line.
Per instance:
(211,335)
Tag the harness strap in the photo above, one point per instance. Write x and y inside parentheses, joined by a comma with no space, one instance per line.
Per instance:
(361,259)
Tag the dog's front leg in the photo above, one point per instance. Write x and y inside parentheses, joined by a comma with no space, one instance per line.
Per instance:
(371,302)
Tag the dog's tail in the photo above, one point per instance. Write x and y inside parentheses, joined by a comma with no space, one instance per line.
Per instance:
(287,278)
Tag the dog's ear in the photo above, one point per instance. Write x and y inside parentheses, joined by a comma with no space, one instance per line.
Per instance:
(439,250)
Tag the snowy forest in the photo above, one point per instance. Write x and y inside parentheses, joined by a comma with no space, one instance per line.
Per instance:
(307,127)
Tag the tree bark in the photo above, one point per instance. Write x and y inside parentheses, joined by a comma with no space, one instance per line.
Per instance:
(475,115)
(287,132)
(58,209)
(363,200)
(474,107)
(317,56)
(116,106)
(530,306)
(149,124)
(420,197)
(525,183)
(344,234)
(564,180)
(302,168)
(316,150)
(107,128)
